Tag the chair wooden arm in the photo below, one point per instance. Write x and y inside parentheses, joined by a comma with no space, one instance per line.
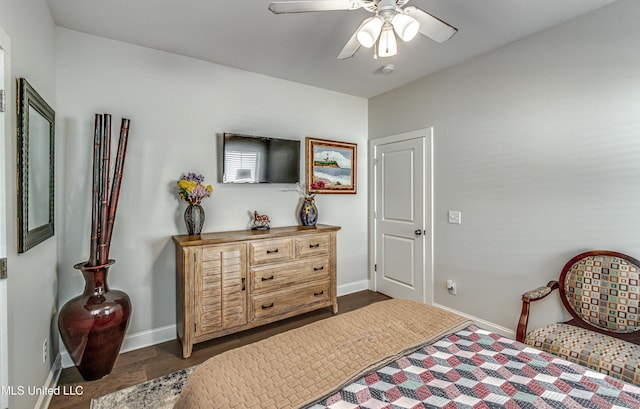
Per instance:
(533,295)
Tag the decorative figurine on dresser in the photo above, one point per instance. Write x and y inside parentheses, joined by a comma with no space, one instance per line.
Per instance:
(232,281)
(260,221)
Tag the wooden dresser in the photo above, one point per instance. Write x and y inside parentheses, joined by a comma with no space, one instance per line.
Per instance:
(231,281)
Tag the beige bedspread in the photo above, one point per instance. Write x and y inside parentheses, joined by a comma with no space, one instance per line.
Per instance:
(298,367)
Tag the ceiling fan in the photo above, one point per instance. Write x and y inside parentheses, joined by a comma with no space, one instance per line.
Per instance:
(379,29)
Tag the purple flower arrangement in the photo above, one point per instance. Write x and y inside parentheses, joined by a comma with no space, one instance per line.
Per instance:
(191,188)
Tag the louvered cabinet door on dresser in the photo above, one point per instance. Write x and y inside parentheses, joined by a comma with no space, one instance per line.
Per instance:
(231,281)
(219,288)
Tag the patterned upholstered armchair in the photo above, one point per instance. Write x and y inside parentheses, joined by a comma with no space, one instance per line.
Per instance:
(601,291)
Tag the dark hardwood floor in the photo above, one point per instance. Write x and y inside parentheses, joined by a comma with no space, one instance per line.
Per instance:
(151,362)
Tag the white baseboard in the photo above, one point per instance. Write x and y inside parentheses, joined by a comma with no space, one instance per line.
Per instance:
(354,287)
(50,383)
(147,338)
(65,359)
(484,324)
(135,341)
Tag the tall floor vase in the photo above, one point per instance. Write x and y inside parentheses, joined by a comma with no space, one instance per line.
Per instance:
(93,324)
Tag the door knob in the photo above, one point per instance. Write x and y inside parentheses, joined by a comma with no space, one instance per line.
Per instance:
(418,232)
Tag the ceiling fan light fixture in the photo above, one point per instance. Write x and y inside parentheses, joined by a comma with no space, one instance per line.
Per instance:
(387,44)
(379,32)
(405,26)
(370,31)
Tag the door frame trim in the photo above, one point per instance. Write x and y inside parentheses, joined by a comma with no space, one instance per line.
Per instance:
(428,265)
(5,46)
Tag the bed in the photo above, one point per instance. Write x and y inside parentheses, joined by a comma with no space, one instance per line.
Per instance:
(397,354)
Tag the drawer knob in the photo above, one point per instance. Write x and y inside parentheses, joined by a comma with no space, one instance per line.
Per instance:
(266,307)
(318,268)
(320,293)
(272,251)
(267,278)
(314,246)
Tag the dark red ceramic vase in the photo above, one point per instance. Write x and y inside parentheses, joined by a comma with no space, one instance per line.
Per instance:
(93,324)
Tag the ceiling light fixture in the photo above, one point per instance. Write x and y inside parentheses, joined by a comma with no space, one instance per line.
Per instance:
(387,45)
(405,26)
(383,27)
(391,18)
(370,31)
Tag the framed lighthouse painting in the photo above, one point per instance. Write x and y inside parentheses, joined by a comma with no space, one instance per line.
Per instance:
(331,166)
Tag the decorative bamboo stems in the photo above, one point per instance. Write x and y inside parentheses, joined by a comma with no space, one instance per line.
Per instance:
(104,188)
(117,179)
(95,198)
(104,202)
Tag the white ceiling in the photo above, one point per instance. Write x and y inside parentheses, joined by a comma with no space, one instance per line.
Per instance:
(302,47)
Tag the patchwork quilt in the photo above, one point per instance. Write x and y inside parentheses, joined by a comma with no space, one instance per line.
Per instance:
(474,368)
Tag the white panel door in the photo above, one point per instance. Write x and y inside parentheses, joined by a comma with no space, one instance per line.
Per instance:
(402,213)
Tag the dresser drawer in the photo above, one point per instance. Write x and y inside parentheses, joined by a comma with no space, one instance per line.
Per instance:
(270,305)
(280,276)
(314,245)
(270,251)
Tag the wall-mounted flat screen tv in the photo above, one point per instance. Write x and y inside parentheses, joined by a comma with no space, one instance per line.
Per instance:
(258,159)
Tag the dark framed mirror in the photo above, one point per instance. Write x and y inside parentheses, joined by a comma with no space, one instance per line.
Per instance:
(36,148)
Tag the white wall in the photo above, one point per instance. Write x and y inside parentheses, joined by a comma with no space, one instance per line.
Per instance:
(177,105)
(537,143)
(32,284)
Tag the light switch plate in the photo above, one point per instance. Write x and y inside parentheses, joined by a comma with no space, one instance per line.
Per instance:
(455,217)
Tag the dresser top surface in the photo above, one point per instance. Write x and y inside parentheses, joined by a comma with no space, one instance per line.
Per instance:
(184,240)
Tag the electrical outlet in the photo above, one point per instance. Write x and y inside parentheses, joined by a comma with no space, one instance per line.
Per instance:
(45,350)
(451,287)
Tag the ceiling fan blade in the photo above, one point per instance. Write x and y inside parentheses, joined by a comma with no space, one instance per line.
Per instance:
(350,48)
(431,26)
(279,7)
(353,44)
